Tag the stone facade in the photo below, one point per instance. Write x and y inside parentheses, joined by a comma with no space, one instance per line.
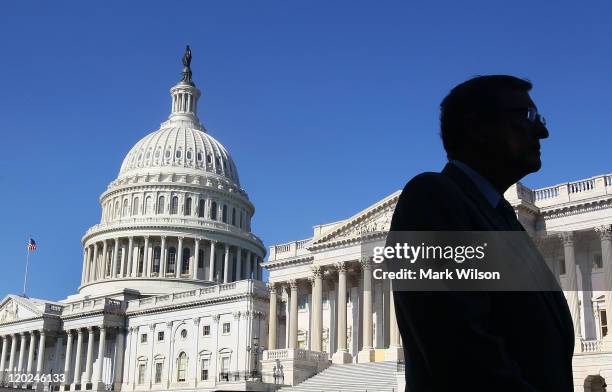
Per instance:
(341,311)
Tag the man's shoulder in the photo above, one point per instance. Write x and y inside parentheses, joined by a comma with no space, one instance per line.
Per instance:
(430,183)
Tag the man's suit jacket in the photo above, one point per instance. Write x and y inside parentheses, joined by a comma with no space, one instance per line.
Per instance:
(476,341)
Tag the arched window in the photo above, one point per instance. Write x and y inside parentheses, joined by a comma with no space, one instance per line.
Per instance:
(201,206)
(241,214)
(117,211)
(178,153)
(234,216)
(189,154)
(160,205)
(185,261)
(181,367)
(156,259)
(125,208)
(174,205)
(224,214)
(135,206)
(171,260)
(188,206)
(148,205)
(213,210)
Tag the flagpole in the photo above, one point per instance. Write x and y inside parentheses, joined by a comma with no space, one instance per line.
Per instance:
(25,277)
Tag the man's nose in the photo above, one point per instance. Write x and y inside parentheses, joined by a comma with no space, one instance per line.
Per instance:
(540,130)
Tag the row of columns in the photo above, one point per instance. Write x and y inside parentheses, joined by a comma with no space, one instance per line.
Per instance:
(26,338)
(342,354)
(571,279)
(134,264)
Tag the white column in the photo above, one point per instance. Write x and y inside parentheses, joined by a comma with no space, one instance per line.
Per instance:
(366,353)
(293,327)
(12,355)
(162,264)
(272,318)
(22,347)
(196,258)
(41,352)
(31,352)
(3,358)
(572,285)
(226,265)
(211,268)
(341,355)
(119,358)
(248,264)
(130,268)
(67,359)
(238,263)
(84,272)
(89,359)
(94,264)
(135,259)
(115,259)
(179,258)
(124,268)
(317,309)
(605,236)
(146,264)
(101,352)
(77,357)
(104,259)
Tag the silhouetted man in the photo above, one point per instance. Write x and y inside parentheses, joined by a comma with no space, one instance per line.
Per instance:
(482,341)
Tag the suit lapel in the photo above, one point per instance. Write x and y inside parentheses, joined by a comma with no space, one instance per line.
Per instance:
(470,189)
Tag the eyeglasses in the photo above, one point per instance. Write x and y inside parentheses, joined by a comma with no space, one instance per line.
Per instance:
(533,116)
(531,113)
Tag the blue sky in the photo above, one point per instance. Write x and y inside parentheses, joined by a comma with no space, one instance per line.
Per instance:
(326,106)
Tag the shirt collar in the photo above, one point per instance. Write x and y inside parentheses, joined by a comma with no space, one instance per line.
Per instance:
(483,185)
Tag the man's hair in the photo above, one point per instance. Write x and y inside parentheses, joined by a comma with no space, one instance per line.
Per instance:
(477,95)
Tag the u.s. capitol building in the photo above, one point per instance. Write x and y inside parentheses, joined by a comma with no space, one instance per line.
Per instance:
(172,297)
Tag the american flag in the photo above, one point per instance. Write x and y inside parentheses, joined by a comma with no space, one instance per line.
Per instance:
(31,245)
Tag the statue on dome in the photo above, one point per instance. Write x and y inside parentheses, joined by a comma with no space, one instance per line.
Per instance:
(186,66)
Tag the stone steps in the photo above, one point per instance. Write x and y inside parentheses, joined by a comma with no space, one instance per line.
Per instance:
(358,377)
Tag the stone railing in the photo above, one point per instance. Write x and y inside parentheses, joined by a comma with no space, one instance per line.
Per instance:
(573,191)
(235,288)
(298,353)
(53,308)
(91,305)
(290,249)
(591,346)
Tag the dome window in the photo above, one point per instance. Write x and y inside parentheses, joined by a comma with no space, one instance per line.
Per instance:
(160,205)
(233,216)
(199,156)
(174,205)
(148,154)
(178,153)
(224,214)
(213,211)
(188,206)
(189,154)
(185,261)
(157,154)
(135,206)
(208,158)
(167,153)
(156,259)
(201,208)
(171,260)
(140,157)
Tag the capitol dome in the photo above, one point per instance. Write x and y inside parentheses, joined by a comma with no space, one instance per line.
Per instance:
(175,218)
(183,149)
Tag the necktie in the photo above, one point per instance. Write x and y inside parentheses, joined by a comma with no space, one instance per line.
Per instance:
(507,212)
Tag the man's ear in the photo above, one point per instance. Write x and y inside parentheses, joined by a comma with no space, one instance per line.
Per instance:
(475,129)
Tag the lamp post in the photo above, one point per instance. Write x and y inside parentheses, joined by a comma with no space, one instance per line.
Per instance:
(254,348)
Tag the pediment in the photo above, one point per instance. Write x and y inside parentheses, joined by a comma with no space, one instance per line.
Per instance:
(14,308)
(376,218)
